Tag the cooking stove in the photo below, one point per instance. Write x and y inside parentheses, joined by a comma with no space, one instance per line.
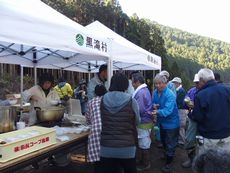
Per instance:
(49,123)
(60,123)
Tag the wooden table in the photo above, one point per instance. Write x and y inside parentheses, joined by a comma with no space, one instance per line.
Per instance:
(77,141)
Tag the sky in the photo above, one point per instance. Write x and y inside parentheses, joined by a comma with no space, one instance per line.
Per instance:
(209,18)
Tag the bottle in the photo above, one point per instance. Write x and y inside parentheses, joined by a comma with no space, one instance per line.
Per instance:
(157,133)
(155,107)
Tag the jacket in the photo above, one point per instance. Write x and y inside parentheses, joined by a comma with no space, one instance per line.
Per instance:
(143,98)
(172,87)
(212,110)
(64,90)
(180,92)
(93,83)
(167,116)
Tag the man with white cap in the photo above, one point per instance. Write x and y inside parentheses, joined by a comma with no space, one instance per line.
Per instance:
(180,95)
(190,135)
(170,85)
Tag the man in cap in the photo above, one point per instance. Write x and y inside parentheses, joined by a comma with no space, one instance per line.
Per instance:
(180,95)
(191,132)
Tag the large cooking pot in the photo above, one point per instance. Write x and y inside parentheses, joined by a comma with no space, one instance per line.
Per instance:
(48,114)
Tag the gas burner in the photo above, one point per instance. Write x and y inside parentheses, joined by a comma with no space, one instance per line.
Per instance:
(49,123)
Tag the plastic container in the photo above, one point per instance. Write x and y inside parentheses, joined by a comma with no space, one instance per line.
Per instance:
(20,142)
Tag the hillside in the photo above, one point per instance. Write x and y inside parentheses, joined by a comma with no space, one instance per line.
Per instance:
(191,51)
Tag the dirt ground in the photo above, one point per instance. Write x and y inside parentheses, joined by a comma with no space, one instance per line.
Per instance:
(156,164)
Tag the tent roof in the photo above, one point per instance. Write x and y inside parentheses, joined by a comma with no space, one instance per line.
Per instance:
(29,26)
(34,34)
(125,54)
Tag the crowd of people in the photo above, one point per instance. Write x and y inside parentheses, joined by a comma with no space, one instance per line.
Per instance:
(121,117)
(195,120)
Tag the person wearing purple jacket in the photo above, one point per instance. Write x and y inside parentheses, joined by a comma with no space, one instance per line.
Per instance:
(143,98)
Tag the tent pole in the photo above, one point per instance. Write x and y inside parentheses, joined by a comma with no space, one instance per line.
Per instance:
(89,76)
(35,69)
(35,75)
(110,70)
(110,63)
(89,71)
(21,90)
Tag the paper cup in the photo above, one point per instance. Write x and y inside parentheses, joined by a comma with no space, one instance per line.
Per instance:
(20,125)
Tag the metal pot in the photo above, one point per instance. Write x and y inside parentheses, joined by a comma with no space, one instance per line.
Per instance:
(6,119)
(50,113)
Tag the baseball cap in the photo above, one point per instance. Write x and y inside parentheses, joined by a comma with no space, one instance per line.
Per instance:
(177,79)
(196,78)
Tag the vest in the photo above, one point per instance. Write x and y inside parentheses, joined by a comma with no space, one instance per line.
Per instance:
(118,129)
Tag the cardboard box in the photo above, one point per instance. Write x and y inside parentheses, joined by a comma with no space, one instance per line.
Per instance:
(24,141)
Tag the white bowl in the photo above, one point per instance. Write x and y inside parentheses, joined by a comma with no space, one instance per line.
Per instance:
(54,102)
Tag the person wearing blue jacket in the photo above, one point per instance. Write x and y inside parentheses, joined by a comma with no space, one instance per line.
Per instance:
(165,109)
(212,111)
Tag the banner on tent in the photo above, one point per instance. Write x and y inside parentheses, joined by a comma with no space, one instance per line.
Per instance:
(153,60)
(92,43)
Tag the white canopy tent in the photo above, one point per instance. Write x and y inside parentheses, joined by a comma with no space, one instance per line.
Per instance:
(34,34)
(124,54)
